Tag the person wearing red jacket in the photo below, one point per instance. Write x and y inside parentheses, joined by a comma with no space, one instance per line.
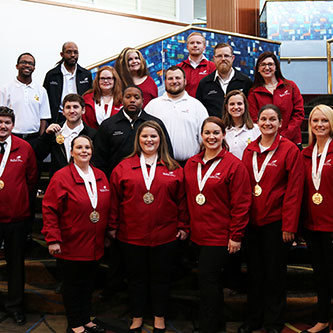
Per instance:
(270,87)
(196,66)
(317,207)
(277,176)
(75,215)
(18,176)
(219,198)
(148,215)
(104,99)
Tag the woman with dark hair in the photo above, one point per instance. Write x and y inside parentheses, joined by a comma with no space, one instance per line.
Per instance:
(132,69)
(104,99)
(270,87)
(276,174)
(148,216)
(75,217)
(218,197)
(317,207)
(240,130)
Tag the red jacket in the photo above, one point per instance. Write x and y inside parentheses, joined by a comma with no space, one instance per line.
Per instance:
(66,210)
(281,183)
(141,224)
(89,117)
(224,216)
(149,89)
(194,75)
(20,177)
(318,217)
(290,102)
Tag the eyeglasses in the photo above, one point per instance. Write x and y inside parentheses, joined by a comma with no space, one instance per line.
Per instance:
(23,62)
(225,56)
(106,78)
(270,65)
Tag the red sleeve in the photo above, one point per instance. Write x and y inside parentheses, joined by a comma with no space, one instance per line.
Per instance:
(115,194)
(240,202)
(253,106)
(294,192)
(297,114)
(183,215)
(31,170)
(52,207)
(89,117)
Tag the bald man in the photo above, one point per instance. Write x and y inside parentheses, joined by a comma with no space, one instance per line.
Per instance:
(68,77)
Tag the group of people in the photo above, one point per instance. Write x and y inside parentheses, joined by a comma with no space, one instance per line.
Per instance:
(216,159)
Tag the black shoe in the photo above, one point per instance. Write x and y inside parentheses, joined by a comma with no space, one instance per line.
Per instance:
(324,330)
(159,330)
(247,328)
(95,329)
(18,317)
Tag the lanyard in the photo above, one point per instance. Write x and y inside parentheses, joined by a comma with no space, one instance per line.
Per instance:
(202,182)
(258,174)
(148,178)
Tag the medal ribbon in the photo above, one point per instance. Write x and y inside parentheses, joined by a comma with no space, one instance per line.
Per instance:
(258,174)
(5,156)
(91,190)
(202,182)
(316,174)
(148,178)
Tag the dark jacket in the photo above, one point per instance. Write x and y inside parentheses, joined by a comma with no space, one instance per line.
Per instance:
(211,95)
(46,144)
(53,83)
(115,140)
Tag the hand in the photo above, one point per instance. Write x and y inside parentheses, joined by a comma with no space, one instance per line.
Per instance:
(181,234)
(107,242)
(112,233)
(288,236)
(53,128)
(233,246)
(54,249)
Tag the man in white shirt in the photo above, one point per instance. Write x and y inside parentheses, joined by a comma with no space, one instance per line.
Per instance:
(28,99)
(68,77)
(182,115)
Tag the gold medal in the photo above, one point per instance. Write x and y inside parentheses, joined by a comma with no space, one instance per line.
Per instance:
(94,216)
(148,198)
(60,139)
(200,199)
(257,190)
(2,184)
(317,198)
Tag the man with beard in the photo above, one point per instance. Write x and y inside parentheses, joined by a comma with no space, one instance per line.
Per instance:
(182,115)
(68,77)
(197,66)
(28,99)
(225,78)
(115,137)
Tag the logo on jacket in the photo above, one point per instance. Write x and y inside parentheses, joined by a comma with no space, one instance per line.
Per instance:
(216,175)
(117,133)
(169,174)
(212,92)
(203,72)
(286,93)
(104,189)
(272,163)
(84,81)
(55,83)
(328,163)
(17,159)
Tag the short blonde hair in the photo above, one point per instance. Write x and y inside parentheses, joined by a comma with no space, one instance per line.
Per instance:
(195,34)
(328,113)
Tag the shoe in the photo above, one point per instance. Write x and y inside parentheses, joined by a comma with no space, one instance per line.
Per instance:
(136,329)
(18,317)
(159,330)
(247,328)
(324,330)
(95,329)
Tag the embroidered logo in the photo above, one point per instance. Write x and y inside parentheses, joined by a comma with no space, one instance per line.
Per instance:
(104,189)
(203,72)
(212,92)
(117,133)
(17,159)
(84,81)
(169,174)
(54,83)
(272,163)
(36,98)
(286,93)
(216,175)
(328,163)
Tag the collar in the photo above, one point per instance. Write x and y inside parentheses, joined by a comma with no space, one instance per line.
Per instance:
(234,129)
(8,141)
(77,178)
(231,75)
(135,162)
(128,117)
(66,131)
(21,84)
(199,157)
(308,150)
(185,97)
(65,72)
(254,145)
(196,64)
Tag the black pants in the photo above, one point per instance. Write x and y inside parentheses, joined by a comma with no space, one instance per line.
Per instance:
(321,251)
(212,259)
(149,271)
(14,236)
(78,287)
(267,271)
